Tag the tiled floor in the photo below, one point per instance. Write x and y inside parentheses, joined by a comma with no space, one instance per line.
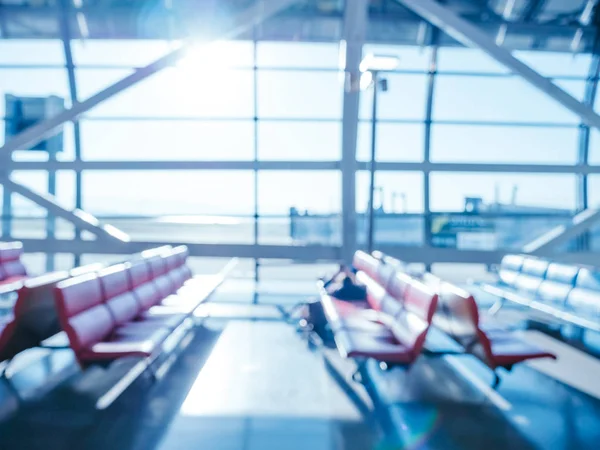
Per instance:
(248,381)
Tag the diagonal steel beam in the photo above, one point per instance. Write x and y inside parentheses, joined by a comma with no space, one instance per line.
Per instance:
(470,35)
(244,21)
(78,217)
(545,244)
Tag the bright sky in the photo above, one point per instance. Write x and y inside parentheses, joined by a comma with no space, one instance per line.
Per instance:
(300,113)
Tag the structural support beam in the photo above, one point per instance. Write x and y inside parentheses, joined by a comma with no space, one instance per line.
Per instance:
(470,35)
(79,218)
(355,28)
(65,28)
(544,245)
(243,21)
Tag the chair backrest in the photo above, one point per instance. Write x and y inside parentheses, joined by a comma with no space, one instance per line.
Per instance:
(559,281)
(532,274)
(366,263)
(141,284)
(399,285)
(377,297)
(183,272)
(585,296)
(116,294)
(88,268)
(510,268)
(160,277)
(10,260)
(415,317)
(385,273)
(35,308)
(457,315)
(420,300)
(82,313)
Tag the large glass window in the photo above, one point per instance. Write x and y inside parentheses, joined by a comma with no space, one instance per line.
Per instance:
(525,193)
(500,99)
(299,95)
(32,52)
(405,98)
(299,141)
(394,142)
(299,207)
(174,93)
(594,156)
(304,55)
(504,144)
(156,193)
(167,140)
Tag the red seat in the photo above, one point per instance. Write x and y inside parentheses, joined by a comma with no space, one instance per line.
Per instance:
(385,328)
(160,276)
(12,270)
(366,263)
(458,316)
(94,334)
(127,312)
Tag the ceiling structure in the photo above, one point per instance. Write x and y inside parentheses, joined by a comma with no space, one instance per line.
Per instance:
(552,25)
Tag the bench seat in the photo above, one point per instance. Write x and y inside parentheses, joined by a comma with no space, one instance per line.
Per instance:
(121,344)
(385,327)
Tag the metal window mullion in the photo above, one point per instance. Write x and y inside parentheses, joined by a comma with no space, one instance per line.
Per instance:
(427,141)
(70,66)
(256,144)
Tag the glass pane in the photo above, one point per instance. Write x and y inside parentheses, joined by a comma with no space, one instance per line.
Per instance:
(395,192)
(553,64)
(503,193)
(405,99)
(297,54)
(313,192)
(32,83)
(297,94)
(395,142)
(594,191)
(299,141)
(456,59)
(37,181)
(501,144)
(121,52)
(174,93)
(160,193)
(301,229)
(221,229)
(393,229)
(473,232)
(153,140)
(34,52)
(594,156)
(68,146)
(411,57)
(510,99)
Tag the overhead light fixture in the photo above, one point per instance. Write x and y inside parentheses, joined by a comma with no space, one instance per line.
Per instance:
(586,16)
(501,36)
(508,9)
(379,63)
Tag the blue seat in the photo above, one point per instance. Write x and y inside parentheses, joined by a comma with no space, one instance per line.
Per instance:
(510,268)
(559,281)
(532,275)
(585,297)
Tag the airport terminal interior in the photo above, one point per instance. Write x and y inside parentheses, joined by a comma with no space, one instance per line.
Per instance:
(299,224)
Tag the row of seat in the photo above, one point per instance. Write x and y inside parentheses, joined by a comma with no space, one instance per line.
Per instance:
(12,270)
(128,309)
(391,324)
(567,291)
(405,306)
